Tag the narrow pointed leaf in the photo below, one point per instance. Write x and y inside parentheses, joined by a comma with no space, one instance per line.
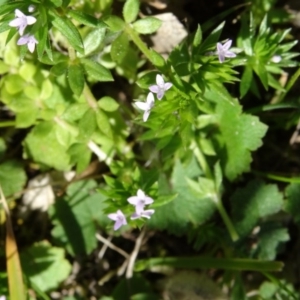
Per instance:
(68,29)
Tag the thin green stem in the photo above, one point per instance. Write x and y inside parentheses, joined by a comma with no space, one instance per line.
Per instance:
(7,123)
(277,177)
(88,95)
(233,234)
(72,53)
(289,85)
(202,161)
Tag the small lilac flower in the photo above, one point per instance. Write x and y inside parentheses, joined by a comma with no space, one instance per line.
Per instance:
(142,214)
(223,51)
(119,219)
(146,106)
(140,201)
(21,21)
(2,298)
(160,87)
(29,40)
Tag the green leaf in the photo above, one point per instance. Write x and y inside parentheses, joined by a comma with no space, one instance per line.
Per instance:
(42,145)
(26,117)
(198,37)
(262,73)
(96,70)
(147,25)
(212,39)
(76,78)
(240,133)
(119,48)
(10,7)
(131,10)
(246,81)
(114,23)
(83,18)
(246,35)
(157,59)
(205,262)
(108,104)
(103,123)
(93,41)
(2,147)
(75,217)
(12,177)
(87,123)
(187,206)
(45,266)
(80,156)
(292,205)
(57,3)
(270,237)
(68,30)
(268,289)
(238,290)
(59,69)
(255,201)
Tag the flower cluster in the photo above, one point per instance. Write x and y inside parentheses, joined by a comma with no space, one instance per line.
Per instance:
(159,89)
(20,22)
(139,201)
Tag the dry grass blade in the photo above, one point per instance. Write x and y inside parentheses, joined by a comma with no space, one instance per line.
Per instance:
(14,271)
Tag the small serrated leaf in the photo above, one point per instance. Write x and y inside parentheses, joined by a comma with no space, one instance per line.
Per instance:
(240,133)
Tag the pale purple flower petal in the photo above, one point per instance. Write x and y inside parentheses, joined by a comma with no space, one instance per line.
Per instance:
(167,86)
(141,105)
(140,193)
(223,51)
(146,115)
(159,80)
(30,40)
(227,45)
(221,57)
(146,106)
(160,87)
(22,40)
(18,13)
(160,94)
(30,20)
(143,214)
(119,219)
(154,88)
(140,201)
(21,21)
(150,100)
